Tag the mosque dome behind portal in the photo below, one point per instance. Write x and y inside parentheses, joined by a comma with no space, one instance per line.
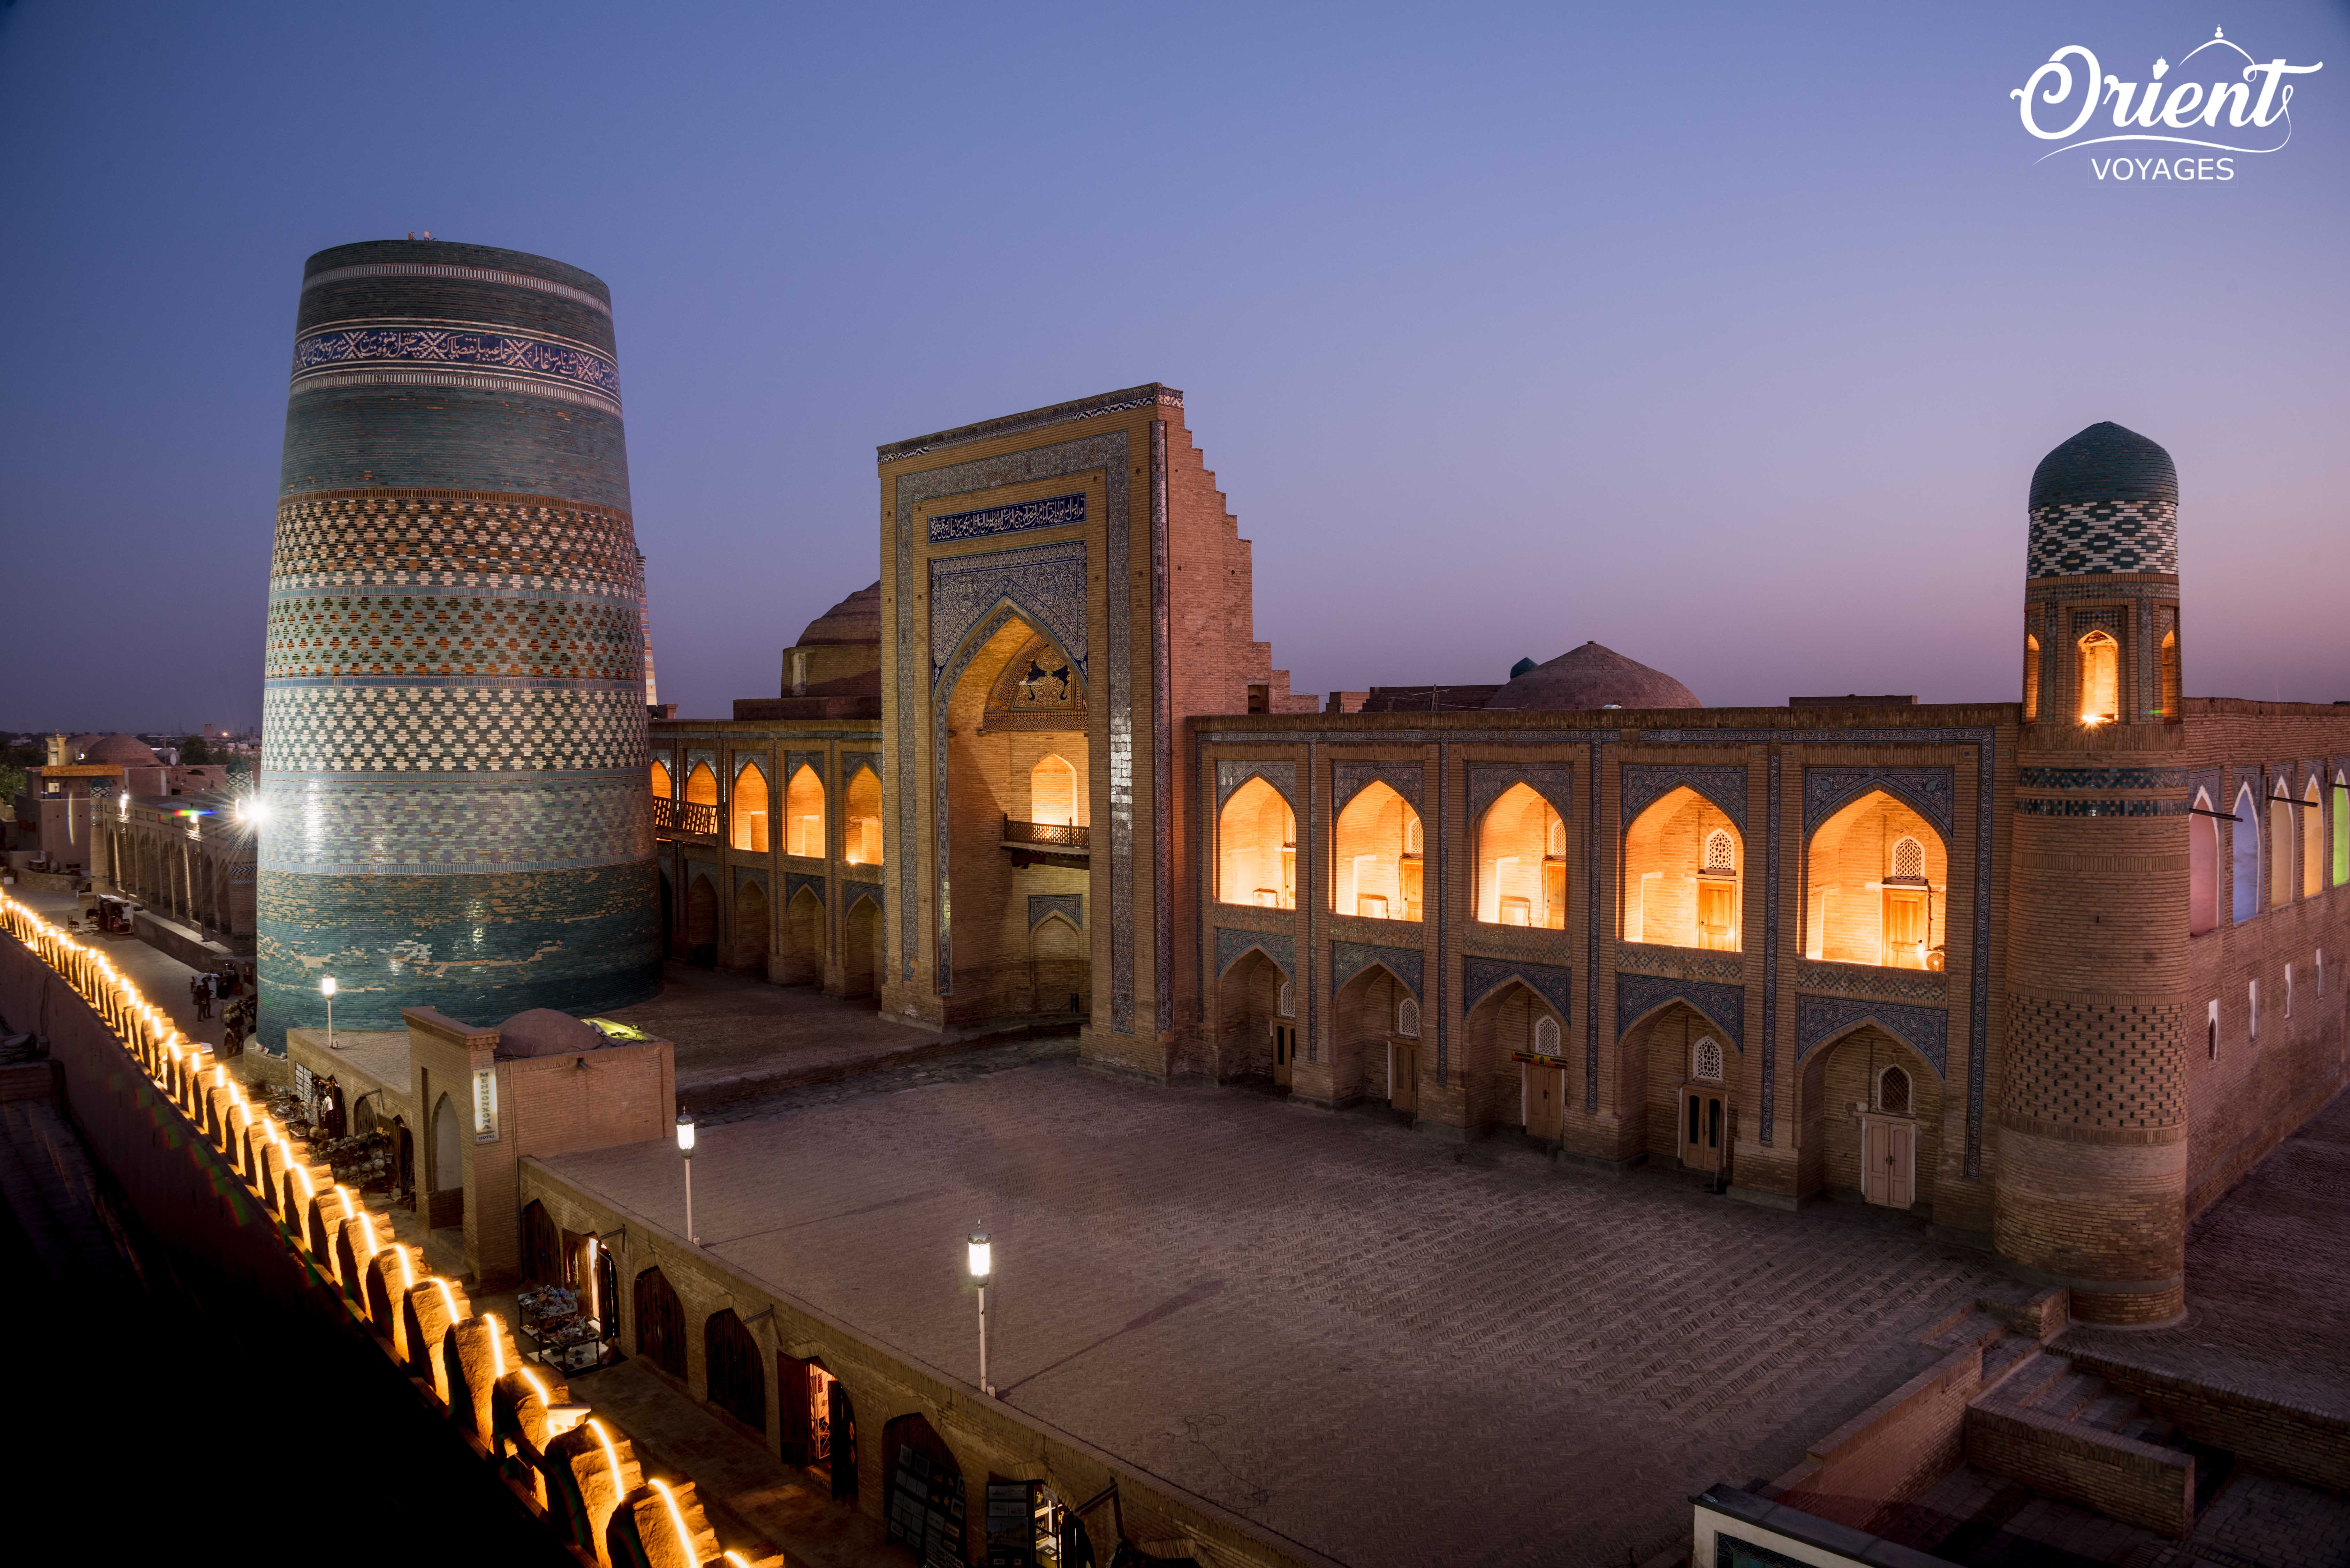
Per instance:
(1593,677)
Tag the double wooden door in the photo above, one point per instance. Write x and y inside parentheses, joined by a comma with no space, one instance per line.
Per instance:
(1888,1160)
(1705,1127)
(1284,1050)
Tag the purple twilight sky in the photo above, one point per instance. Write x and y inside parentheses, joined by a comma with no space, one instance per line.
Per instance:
(1726,334)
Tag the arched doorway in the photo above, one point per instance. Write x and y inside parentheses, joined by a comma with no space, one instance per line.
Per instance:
(1521,863)
(861,819)
(804,814)
(1501,1090)
(1682,1064)
(1374,1033)
(1376,856)
(1256,1039)
(448,1158)
(1872,1112)
(747,812)
(701,922)
(861,948)
(1876,887)
(1256,848)
(923,1499)
(818,1423)
(1060,966)
(660,1323)
(801,961)
(738,1382)
(751,929)
(542,1246)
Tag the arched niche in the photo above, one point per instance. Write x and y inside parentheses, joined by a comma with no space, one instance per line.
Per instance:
(804,814)
(750,945)
(2202,866)
(1868,1074)
(1684,883)
(701,785)
(1502,1091)
(747,816)
(861,818)
(1256,848)
(663,788)
(1248,1005)
(1521,862)
(2244,854)
(1876,886)
(1377,856)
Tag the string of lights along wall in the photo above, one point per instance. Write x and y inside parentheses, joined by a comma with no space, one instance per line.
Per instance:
(453,806)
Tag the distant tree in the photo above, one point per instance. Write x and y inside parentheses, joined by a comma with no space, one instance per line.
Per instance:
(12,781)
(193,752)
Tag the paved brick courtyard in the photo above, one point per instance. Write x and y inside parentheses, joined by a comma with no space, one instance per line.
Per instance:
(1379,1345)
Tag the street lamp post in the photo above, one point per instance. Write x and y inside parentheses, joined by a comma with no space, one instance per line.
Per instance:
(983,1263)
(327,990)
(685,1148)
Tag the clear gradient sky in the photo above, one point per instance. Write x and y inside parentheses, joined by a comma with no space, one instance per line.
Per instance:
(1727,334)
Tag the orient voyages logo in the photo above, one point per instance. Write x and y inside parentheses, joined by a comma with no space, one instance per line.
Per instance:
(2249,116)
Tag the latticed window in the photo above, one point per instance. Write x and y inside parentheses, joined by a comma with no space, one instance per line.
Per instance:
(1407,1018)
(1893,1092)
(1705,1061)
(1286,1003)
(1545,1036)
(1720,853)
(1908,860)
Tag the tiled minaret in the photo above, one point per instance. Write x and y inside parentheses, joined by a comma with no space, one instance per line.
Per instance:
(2092,1185)
(453,734)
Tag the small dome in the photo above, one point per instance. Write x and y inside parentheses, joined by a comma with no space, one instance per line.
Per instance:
(2104,462)
(542,1032)
(1520,668)
(124,750)
(857,619)
(1593,677)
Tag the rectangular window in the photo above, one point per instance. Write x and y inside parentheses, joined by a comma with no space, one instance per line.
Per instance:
(2252,1027)
(2288,990)
(2211,1030)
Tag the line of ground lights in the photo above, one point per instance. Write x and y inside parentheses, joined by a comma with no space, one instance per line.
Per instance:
(529,1429)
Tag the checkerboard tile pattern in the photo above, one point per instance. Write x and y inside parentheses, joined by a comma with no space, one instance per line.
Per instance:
(451,729)
(2072,538)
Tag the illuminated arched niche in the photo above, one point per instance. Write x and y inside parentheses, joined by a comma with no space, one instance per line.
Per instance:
(1256,848)
(1876,886)
(748,817)
(1376,856)
(1684,864)
(804,814)
(861,818)
(1522,862)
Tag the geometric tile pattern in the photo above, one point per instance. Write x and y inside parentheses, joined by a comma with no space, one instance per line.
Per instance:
(1070,907)
(1046,582)
(1639,995)
(1640,783)
(450,270)
(1349,779)
(1348,960)
(440,728)
(1933,792)
(2109,1065)
(432,633)
(2080,537)
(1925,1028)
(393,539)
(1231,944)
(1480,977)
(423,826)
(1280,773)
(1054,512)
(1554,782)
(1867,980)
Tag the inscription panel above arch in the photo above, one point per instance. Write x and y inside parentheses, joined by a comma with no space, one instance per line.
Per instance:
(1932,793)
(1045,583)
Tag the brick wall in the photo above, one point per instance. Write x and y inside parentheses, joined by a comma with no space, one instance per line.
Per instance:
(2137,1483)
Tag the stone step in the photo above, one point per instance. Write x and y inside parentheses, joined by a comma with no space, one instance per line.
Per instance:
(2110,1411)
(1963,1327)
(2033,1375)
(2064,1397)
(2005,1357)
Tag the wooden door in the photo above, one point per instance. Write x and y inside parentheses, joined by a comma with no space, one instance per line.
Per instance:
(1888,1161)
(1539,1087)
(1704,1122)
(1284,1050)
(1716,901)
(1403,1062)
(1905,928)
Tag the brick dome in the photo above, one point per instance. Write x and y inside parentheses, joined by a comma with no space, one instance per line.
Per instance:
(2104,462)
(857,619)
(542,1032)
(124,750)
(1593,677)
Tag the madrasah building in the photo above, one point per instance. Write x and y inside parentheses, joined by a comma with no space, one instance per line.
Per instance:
(2054,970)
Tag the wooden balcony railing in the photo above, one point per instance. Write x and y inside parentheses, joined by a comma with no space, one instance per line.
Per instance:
(684,816)
(1046,835)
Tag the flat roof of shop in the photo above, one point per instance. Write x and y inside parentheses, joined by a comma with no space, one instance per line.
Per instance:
(1384,1345)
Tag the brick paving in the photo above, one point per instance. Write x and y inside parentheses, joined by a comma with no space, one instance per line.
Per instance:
(2268,1281)
(1384,1346)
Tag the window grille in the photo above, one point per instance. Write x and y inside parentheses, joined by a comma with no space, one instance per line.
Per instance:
(1893,1092)
(2211,1030)
(1908,860)
(2252,995)
(1286,1004)
(1705,1060)
(1557,844)
(1407,1019)
(1545,1036)
(1721,854)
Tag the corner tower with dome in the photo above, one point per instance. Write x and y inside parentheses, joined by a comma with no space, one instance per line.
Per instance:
(2051,973)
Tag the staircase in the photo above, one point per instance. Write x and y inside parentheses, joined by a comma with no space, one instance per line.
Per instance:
(2068,1434)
